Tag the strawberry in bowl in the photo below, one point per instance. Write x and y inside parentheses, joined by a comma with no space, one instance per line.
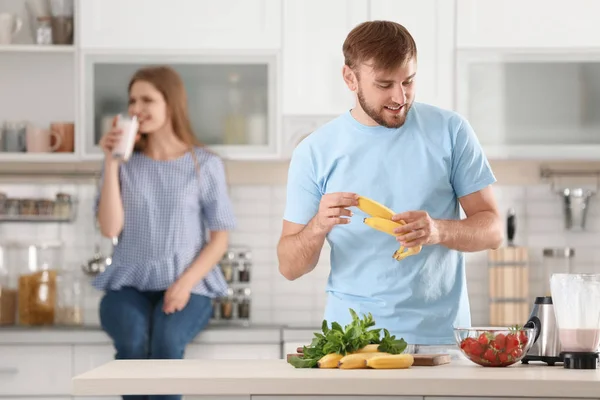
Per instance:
(495,346)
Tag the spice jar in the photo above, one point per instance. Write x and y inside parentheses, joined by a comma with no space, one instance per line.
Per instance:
(39,264)
(45,207)
(243,303)
(3,199)
(8,292)
(62,205)
(43,31)
(12,207)
(244,271)
(28,207)
(227,305)
(227,270)
(69,299)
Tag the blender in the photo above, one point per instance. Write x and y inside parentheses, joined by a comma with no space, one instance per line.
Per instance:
(576,299)
(546,347)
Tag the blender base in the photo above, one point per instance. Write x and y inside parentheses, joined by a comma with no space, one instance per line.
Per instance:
(580,360)
(551,361)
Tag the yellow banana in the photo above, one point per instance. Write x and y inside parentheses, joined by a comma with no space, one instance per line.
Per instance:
(370,348)
(388,226)
(358,360)
(329,360)
(373,208)
(395,361)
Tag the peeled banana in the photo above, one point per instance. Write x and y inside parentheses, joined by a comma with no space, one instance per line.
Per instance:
(358,360)
(388,226)
(373,208)
(392,361)
(329,360)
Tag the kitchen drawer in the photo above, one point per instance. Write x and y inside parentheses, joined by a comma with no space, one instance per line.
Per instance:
(35,370)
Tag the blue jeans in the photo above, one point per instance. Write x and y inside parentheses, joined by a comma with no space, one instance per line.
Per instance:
(141,330)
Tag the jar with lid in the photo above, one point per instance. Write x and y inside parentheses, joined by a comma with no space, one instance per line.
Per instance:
(243,303)
(38,265)
(62,205)
(556,261)
(8,291)
(226,303)
(69,299)
(228,269)
(244,271)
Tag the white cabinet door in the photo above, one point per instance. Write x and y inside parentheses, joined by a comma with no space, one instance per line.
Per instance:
(313,34)
(233,351)
(35,370)
(88,357)
(180,24)
(528,24)
(431,23)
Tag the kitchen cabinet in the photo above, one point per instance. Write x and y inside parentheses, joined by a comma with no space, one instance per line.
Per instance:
(531,106)
(313,59)
(431,23)
(530,24)
(194,25)
(358,397)
(232,100)
(35,370)
(313,34)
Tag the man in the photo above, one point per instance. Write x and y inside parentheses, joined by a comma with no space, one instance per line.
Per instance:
(419,160)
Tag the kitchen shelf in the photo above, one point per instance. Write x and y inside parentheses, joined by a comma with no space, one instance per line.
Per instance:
(38,157)
(36,218)
(34,48)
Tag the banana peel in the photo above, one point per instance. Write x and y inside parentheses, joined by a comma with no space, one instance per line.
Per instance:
(381,220)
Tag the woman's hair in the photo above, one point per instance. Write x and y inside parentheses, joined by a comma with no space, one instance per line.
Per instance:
(168,82)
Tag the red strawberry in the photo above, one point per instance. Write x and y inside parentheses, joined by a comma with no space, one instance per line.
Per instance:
(499,341)
(483,339)
(503,357)
(476,349)
(512,342)
(523,338)
(490,355)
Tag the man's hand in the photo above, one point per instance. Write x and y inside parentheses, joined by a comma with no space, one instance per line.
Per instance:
(332,211)
(177,296)
(420,229)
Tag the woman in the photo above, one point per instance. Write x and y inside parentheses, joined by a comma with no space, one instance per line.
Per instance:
(160,204)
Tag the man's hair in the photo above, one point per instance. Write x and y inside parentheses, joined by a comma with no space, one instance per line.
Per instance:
(386,44)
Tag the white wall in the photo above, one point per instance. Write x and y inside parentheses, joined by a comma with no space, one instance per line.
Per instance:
(259,209)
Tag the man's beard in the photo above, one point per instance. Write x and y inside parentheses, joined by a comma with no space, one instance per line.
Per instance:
(378,116)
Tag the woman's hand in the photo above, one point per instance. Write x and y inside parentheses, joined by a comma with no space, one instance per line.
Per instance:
(110,139)
(177,296)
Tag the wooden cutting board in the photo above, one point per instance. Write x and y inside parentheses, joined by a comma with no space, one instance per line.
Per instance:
(421,360)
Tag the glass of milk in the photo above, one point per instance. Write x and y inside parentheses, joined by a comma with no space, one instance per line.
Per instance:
(129,128)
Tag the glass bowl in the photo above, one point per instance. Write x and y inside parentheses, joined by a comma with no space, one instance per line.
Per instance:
(494,346)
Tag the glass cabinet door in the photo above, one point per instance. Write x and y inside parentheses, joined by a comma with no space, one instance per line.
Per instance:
(231,101)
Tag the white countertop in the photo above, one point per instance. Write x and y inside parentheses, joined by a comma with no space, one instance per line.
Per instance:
(276,377)
(215,334)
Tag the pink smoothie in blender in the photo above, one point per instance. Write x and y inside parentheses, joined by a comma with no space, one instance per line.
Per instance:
(576,300)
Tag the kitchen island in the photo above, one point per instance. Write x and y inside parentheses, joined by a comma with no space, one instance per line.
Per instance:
(277,380)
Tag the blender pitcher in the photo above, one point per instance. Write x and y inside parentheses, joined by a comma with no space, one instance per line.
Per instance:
(576,300)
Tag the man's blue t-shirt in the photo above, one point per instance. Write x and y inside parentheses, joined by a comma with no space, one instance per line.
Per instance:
(427,164)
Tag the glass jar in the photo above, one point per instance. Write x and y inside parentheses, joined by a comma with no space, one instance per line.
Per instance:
(62,205)
(227,305)
(243,303)
(37,266)
(227,268)
(28,207)
(8,292)
(244,271)
(69,299)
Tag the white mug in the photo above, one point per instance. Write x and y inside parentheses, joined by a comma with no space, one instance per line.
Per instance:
(129,128)
(10,25)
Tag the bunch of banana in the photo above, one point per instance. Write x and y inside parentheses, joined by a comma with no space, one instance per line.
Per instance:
(381,219)
(373,360)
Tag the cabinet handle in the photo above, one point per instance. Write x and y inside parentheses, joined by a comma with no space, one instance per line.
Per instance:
(8,371)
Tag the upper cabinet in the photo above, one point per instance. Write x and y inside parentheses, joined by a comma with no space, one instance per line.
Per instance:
(232,100)
(527,24)
(181,24)
(431,23)
(313,34)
